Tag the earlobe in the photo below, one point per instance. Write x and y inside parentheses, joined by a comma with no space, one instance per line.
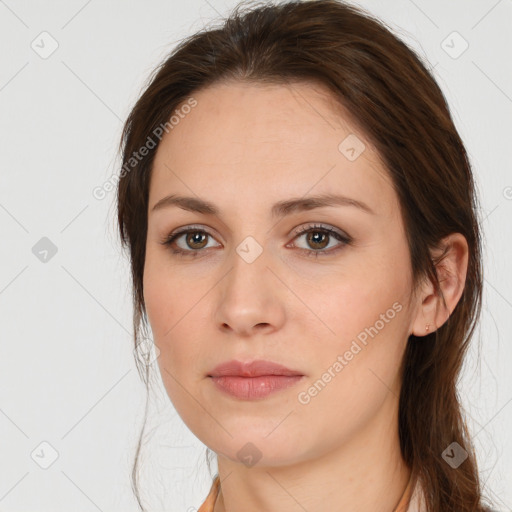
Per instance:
(435,308)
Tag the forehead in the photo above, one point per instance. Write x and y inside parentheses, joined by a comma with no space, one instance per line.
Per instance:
(252,142)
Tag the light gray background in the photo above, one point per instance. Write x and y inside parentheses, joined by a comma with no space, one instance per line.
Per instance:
(67,372)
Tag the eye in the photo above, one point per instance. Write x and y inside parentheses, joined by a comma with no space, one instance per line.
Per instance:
(195,240)
(319,237)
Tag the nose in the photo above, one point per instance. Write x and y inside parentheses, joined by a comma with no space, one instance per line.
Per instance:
(250,298)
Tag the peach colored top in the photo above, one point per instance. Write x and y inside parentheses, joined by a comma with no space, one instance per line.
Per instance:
(411,500)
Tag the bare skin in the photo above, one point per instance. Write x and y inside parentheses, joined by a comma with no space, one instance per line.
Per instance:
(243,148)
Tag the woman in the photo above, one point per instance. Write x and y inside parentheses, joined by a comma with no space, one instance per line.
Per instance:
(301,219)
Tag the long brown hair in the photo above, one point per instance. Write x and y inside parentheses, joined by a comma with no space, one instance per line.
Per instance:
(395,99)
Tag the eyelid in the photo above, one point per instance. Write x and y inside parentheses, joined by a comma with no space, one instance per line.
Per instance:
(325,227)
(189,227)
(296,231)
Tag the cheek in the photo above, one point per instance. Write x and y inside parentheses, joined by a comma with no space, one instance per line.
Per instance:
(178,345)
(354,372)
(357,361)
(165,296)
(167,316)
(364,303)
(163,310)
(173,305)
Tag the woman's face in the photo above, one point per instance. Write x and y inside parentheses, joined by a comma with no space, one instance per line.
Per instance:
(249,286)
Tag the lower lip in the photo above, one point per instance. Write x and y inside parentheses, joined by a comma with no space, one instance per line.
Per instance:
(249,388)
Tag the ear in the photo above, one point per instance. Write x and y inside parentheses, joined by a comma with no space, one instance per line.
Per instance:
(451,272)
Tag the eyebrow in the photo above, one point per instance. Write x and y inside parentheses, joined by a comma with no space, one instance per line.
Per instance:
(279,209)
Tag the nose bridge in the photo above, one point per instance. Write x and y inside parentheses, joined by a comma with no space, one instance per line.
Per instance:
(249,295)
(249,261)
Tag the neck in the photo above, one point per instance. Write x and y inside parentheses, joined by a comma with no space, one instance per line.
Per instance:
(365,473)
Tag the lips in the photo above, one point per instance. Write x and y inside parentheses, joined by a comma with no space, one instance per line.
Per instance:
(255,368)
(253,380)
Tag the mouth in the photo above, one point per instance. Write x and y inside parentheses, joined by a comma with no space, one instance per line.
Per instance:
(253,380)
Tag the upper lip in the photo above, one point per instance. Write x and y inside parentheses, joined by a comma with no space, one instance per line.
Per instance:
(255,368)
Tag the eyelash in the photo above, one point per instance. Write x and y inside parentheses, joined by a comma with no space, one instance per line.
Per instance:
(347,240)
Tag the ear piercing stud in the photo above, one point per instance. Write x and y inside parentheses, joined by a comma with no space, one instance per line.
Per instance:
(427,328)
